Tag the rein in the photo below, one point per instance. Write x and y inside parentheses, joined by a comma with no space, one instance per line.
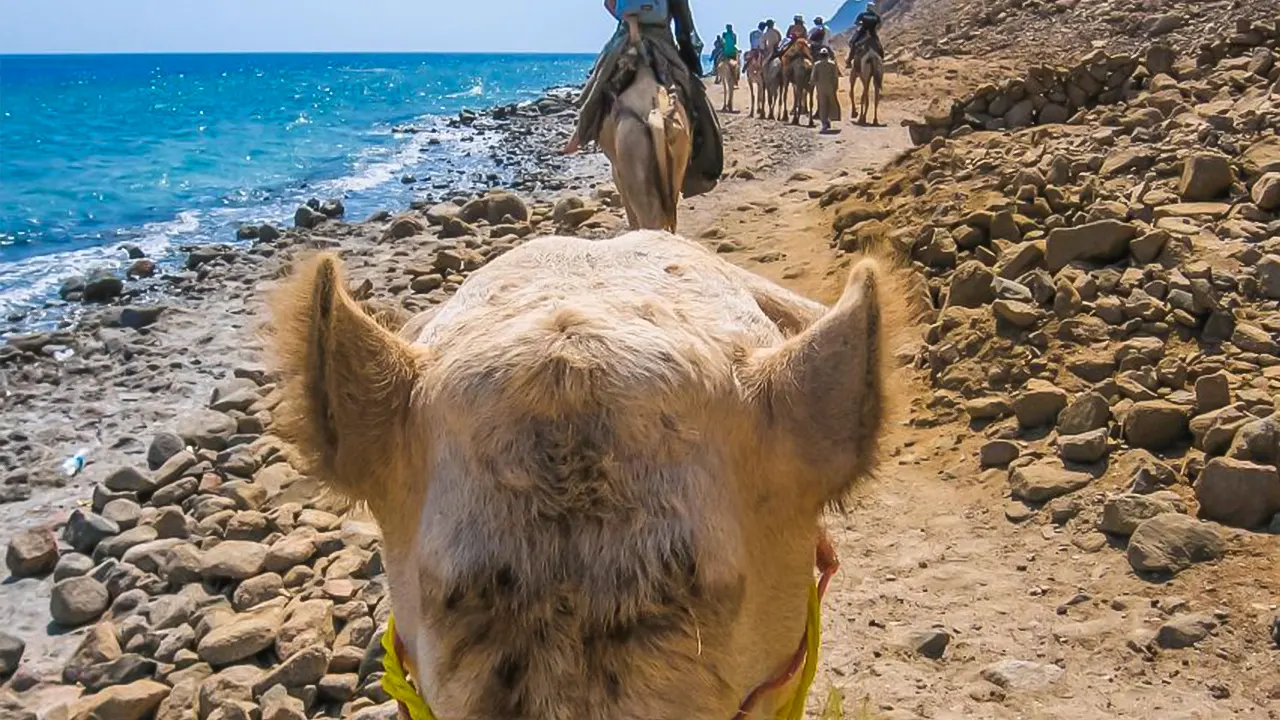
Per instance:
(399,685)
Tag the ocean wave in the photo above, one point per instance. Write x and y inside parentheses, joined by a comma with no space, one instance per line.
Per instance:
(476,90)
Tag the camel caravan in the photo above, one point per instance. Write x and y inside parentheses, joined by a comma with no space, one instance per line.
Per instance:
(600,469)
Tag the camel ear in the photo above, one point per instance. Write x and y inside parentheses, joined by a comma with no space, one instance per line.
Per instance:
(347,380)
(823,392)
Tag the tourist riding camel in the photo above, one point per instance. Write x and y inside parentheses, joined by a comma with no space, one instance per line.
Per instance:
(676,63)
(797,42)
(771,40)
(599,471)
(819,36)
(868,25)
(756,38)
(717,52)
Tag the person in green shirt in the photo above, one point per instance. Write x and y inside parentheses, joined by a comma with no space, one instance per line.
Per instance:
(730,42)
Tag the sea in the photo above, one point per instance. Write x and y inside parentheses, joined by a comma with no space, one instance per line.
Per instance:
(164,151)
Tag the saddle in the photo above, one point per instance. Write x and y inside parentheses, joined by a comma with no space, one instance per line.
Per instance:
(799,46)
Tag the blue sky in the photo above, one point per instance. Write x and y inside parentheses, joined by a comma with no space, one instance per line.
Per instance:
(42,26)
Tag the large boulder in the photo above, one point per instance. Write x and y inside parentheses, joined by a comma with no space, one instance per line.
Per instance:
(1205,176)
(1266,191)
(1171,543)
(78,600)
(1122,514)
(971,285)
(101,286)
(1156,425)
(1089,411)
(31,553)
(1103,241)
(1043,481)
(1039,404)
(1238,493)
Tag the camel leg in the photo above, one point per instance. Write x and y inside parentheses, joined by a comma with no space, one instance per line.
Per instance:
(866,98)
(876,121)
(635,174)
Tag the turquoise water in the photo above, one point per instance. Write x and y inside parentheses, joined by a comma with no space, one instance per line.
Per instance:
(162,150)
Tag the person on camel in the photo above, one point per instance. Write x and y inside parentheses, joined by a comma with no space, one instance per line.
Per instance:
(756,39)
(868,25)
(717,52)
(677,60)
(771,40)
(819,35)
(797,31)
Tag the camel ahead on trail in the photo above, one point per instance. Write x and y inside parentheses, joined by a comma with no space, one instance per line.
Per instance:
(648,140)
(800,78)
(730,75)
(775,84)
(867,66)
(755,82)
(599,470)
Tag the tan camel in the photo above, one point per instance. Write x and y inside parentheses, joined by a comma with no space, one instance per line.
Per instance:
(647,138)
(775,84)
(755,82)
(599,469)
(870,69)
(730,75)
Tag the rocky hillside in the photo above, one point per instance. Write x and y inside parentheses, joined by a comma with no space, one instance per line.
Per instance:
(1062,29)
(1105,305)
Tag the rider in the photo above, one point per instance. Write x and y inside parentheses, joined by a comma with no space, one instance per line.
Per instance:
(729,40)
(797,31)
(678,61)
(756,38)
(818,36)
(771,40)
(868,24)
(717,52)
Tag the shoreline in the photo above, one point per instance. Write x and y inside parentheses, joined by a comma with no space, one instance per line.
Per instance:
(33,297)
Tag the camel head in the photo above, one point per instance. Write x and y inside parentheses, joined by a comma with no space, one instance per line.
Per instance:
(599,469)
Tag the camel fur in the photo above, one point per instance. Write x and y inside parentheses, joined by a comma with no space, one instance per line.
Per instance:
(599,469)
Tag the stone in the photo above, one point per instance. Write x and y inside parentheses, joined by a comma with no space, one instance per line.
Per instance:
(338,688)
(1257,441)
(11,650)
(1088,411)
(456,228)
(278,704)
(72,565)
(386,711)
(141,269)
(404,226)
(239,639)
(78,600)
(98,646)
(1171,542)
(128,479)
(1121,514)
(163,446)
(233,560)
(1103,241)
(1238,493)
(123,512)
(1251,338)
(999,453)
(1263,156)
(1156,425)
(121,671)
(1022,675)
(101,286)
(231,685)
(206,429)
(139,316)
(135,701)
(288,552)
(307,217)
(1212,392)
(257,590)
(309,623)
(1087,448)
(1147,247)
(1205,176)
(305,667)
(1039,404)
(333,208)
(988,408)
(931,643)
(85,530)
(1266,192)
(1018,314)
(31,553)
(971,285)
(171,611)
(1045,480)
(1185,631)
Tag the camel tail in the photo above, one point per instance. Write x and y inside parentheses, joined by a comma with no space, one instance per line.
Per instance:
(659,123)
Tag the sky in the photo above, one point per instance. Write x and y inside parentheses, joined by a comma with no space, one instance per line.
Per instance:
(146,26)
